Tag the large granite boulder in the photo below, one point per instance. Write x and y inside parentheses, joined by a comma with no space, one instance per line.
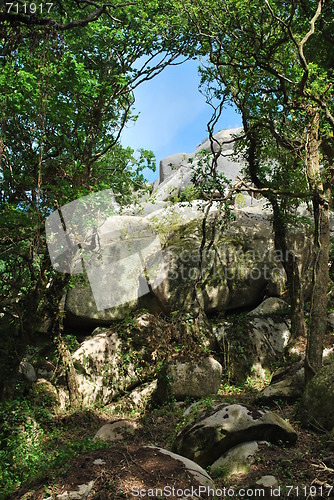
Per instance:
(176,170)
(317,404)
(210,435)
(233,270)
(158,258)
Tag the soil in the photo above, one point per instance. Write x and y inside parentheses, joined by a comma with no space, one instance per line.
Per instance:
(130,470)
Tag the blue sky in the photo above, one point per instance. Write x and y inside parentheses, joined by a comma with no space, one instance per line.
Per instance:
(173,114)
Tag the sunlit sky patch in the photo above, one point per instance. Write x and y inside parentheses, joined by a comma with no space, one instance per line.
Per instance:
(173,114)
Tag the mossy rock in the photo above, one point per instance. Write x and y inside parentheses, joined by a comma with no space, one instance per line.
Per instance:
(317,405)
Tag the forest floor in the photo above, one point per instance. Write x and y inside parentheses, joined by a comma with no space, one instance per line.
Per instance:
(305,470)
(67,455)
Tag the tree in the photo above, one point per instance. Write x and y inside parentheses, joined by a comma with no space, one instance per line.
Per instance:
(65,96)
(274,61)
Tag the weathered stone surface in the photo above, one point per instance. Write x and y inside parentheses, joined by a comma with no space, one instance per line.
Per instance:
(197,472)
(27,371)
(116,431)
(99,366)
(80,494)
(269,337)
(270,306)
(235,461)
(267,484)
(226,426)
(253,343)
(237,269)
(234,272)
(317,404)
(44,391)
(81,310)
(172,163)
(123,256)
(194,379)
(286,383)
(45,369)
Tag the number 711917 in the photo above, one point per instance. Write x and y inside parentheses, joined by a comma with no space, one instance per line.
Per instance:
(29,8)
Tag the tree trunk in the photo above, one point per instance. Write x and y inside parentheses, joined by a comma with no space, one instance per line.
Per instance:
(70,373)
(289,259)
(321,198)
(66,360)
(290,264)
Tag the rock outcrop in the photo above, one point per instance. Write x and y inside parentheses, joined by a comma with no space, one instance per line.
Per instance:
(179,266)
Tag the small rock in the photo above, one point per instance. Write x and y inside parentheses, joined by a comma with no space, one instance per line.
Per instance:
(82,494)
(115,431)
(267,484)
(27,371)
(235,461)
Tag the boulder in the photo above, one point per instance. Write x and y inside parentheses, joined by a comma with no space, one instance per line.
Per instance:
(235,271)
(317,404)
(27,371)
(101,370)
(121,262)
(249,345)
(136,400)
(209,436)
(81,310)
(269,338)
(235,461)
(44,392)
(194,379)
(176,170)
(172,163)
(287,383)
(45,369)
(116,431)
(269,307)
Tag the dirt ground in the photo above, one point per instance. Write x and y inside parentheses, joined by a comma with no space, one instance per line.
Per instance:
(128,470)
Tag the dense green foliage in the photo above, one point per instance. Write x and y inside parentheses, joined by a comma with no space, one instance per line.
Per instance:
(274,61)
(65,96)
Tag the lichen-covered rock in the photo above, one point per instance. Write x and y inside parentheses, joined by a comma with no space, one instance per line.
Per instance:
(286,383)
(102,369)
(226,426)
(235,461)
(317,404)
(194,379)
(250,344)
(270,306)
(27,371)
(43,392)
(231,272)
(116,431)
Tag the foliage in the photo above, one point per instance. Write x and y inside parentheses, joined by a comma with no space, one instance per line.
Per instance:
(264,58)
(34,441)
(65,96)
